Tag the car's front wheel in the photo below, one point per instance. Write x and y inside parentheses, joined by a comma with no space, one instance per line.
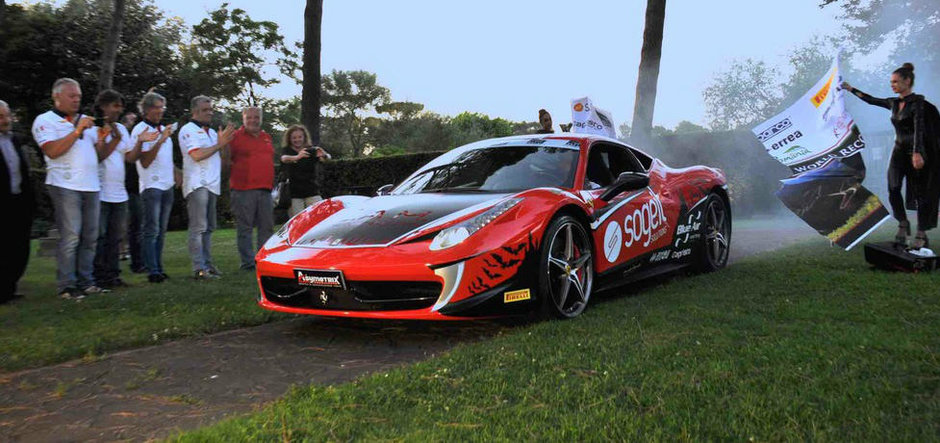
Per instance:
(566,268)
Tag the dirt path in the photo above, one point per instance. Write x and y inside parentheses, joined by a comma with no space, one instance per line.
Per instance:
(152,392)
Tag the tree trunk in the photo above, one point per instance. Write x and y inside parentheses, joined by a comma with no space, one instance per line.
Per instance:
(310,97)
(109,54)
(3,10)
(649,72)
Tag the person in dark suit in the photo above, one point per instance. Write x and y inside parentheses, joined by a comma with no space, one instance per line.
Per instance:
(16,199)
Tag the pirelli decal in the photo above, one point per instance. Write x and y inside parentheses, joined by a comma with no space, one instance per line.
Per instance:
(520,295)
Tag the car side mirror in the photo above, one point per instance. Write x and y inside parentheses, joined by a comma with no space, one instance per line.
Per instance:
(627,181)
(384,190)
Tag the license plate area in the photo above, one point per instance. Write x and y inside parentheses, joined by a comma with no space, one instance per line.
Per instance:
(320,278)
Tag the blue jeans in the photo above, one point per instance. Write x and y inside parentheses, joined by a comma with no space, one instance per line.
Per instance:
(76,218)
(112,223)
(201,208)
(156,208)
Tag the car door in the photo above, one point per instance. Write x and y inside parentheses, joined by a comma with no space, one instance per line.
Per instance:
(631,224)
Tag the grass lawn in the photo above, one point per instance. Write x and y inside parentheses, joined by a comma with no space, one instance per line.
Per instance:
(806,343)
(41,328)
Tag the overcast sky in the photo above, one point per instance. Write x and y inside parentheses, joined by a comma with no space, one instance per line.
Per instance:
(508,58)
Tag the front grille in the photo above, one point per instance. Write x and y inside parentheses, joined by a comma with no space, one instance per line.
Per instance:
(359,295)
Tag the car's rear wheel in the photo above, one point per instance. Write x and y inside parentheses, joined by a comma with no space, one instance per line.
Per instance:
(716,238)
(566,268)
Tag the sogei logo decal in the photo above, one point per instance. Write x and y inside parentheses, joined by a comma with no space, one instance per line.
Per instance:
(643,223)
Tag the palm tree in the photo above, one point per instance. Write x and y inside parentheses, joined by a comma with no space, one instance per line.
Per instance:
(649,71)
(108,56)
(310,97)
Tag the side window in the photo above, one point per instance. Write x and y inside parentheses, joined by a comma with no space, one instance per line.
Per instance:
(645,160)
(598,175)
(606,162)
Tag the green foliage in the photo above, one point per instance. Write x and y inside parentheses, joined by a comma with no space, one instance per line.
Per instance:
(365,175)
(911,27)
(746,93)
(804,344)
(472,126)
(71,37)
(347,96)
(229,52)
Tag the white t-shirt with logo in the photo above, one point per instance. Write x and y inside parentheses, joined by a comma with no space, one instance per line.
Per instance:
(160,173)
(111,169)
(77,169)
(206,173)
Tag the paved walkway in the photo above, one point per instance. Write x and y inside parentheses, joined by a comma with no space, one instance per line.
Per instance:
(153,392)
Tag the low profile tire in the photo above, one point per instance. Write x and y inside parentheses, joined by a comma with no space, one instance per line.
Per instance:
(566,268)
(716,236)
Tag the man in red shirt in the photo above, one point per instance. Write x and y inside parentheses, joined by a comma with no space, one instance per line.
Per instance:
(252,162)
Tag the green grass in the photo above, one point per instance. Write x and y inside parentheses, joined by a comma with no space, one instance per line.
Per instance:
(806,343)
(41,328)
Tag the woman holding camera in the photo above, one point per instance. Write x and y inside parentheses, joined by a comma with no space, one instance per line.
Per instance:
(302,164)
(915,155)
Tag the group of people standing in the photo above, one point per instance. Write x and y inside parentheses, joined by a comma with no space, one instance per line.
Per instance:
(101,170)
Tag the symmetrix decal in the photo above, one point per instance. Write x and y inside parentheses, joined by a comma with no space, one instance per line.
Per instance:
(320,278)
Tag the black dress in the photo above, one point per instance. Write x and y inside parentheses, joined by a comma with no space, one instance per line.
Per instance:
(917,129)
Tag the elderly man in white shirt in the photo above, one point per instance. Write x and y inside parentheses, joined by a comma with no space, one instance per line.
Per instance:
(202,176)
(155,169)
(67,142)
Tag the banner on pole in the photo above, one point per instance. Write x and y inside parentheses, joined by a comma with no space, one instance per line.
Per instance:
(818,140)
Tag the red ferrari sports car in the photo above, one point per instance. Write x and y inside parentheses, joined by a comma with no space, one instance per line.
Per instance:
(499,227)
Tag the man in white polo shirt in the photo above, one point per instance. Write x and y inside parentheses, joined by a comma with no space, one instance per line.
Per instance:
(202,174)
(66,140)
(155,169)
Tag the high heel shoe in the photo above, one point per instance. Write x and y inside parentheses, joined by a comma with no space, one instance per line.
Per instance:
(920,241)
(904,230)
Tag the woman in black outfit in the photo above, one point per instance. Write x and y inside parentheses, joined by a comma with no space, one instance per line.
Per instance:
(302,163)
(914,157)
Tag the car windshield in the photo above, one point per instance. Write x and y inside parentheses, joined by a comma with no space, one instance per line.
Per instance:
(498,169)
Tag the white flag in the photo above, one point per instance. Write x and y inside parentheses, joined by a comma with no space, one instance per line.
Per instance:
(815,130)
(585,118)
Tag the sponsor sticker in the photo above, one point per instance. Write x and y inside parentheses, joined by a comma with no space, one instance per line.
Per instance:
(774,129)
(820,96)
(320,278)
(613,237)
(520,295)
(659,256)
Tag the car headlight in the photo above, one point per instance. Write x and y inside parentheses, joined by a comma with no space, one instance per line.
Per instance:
(278,237)
(456,234)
